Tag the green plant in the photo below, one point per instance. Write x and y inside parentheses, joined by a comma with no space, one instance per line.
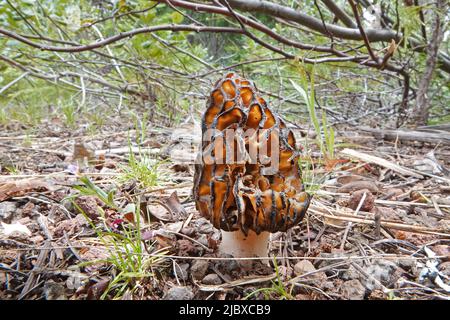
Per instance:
(391,295)
(12,169)
(27,140)
(126,250)
(409,19)
(311,179)
(90,189)
(141,168)
(325,136)
(97,118)
(140,125)
(3,117)
(328,133)
(126,253)
(92,129)
(276,291)
(69,111)
(27,113)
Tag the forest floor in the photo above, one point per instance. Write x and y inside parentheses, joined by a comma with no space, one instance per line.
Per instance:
(98,216)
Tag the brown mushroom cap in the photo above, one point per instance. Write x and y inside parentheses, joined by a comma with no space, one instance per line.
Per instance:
(242,194)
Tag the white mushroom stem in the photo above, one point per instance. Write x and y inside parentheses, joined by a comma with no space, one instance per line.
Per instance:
(239,245)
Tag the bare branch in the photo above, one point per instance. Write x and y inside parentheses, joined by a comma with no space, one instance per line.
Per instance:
(421,111)
(132,12)
(277,10)
(247,21)
(119,36)
(344,17)
(361,29)
(373,35)
(254,38)
(53,77)
(80,48)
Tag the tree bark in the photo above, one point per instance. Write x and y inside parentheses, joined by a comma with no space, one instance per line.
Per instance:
(340,13)
(420,112)
(313,23)
(287,13)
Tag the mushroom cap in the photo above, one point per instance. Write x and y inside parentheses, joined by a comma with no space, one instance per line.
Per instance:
(247,174)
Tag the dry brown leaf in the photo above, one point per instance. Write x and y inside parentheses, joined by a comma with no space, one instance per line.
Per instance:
(356,198)
(180,167)
(157,212)
(173,202)
(358,185)
(89,206)
(337,223)
(331,163)
(96,290)
(81,152)
(350,178)
(417,196)
(20,188)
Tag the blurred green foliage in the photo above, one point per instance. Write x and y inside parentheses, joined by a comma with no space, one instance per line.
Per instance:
(176,69)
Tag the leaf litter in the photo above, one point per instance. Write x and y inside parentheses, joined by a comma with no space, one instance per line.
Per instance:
(378,228)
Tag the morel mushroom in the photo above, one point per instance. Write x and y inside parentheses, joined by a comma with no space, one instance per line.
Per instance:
(247,178)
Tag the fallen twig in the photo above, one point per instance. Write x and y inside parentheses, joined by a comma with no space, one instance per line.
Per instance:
(381,162)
